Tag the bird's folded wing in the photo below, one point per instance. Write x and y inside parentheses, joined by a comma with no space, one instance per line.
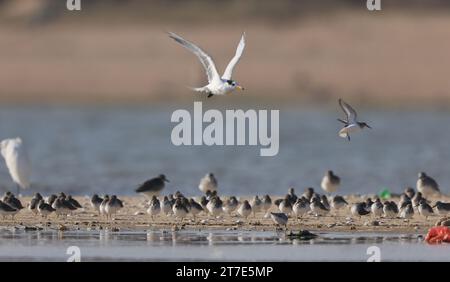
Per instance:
(240,49)
(205,59)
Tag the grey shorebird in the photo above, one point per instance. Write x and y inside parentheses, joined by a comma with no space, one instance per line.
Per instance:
(291,195)
(442,208)
(330,182)
(377,208)
(266,203)
(407,212)
(317,207)
(285,205)
(338,202)
(208,182)
(154,208)
(279,218)
(196,208)
(245,209)
(179,210)
(153,186)
(230,205)
(73,202)
(166,206)
(214,206)
(13,201)
(256,204)
(308,194)
(44,209)
(102,207)
(390,209)
(427,185)
(96,201)
(113,206)
(351,124)
(34,202)
(6,210)
(425,209)
(359,209)
(300,208)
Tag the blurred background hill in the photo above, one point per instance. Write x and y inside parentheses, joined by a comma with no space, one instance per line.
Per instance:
(297,51)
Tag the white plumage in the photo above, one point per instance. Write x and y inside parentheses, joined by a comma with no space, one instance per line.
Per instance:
(17,161)
(216,85)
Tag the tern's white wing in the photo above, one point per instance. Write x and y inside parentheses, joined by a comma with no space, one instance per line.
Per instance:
(349,111)
(205,59)
(229,70)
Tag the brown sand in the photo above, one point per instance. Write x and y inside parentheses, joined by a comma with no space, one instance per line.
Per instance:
(318,59)
(127,219)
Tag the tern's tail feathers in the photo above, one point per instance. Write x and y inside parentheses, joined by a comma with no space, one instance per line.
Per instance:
(199,89)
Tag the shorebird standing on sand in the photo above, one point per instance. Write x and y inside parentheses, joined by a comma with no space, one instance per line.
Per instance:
(216,85)
(425,209)
(96,201)
(155,207)
(153,186)
(330,182)
(407,212)
(359,209)
(427,185)
(279,218)
(266,203)
(166,206)
(377,208)
(285,206)
(113,206)
(351,124)
(44,209)
(102,208)
(214,206)
(231,204)
(34,202)
(6,210)
(390,209)
(442,208)
(256,204)
(245,209)
(338,202)
(317,207)
(179,210)
(208,182)
(196,208)
(301,207)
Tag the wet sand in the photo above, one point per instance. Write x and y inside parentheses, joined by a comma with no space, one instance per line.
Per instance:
(133,217)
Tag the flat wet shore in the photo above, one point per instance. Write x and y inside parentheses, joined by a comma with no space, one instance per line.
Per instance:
(133,217)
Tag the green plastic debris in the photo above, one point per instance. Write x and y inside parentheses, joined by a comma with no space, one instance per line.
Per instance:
(385,194)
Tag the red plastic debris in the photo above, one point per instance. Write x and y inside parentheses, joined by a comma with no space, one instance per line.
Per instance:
(438,234)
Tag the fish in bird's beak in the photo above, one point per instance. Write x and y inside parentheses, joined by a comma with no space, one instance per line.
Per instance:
(240,87)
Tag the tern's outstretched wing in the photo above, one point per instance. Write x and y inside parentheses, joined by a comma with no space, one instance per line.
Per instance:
(205,59)
(348,110)
(240,49)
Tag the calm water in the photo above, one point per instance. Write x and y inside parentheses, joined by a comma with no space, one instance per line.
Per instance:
(159,245)
(111,149)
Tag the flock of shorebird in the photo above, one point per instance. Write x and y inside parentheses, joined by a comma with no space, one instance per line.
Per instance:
(179,206)
(310,203)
